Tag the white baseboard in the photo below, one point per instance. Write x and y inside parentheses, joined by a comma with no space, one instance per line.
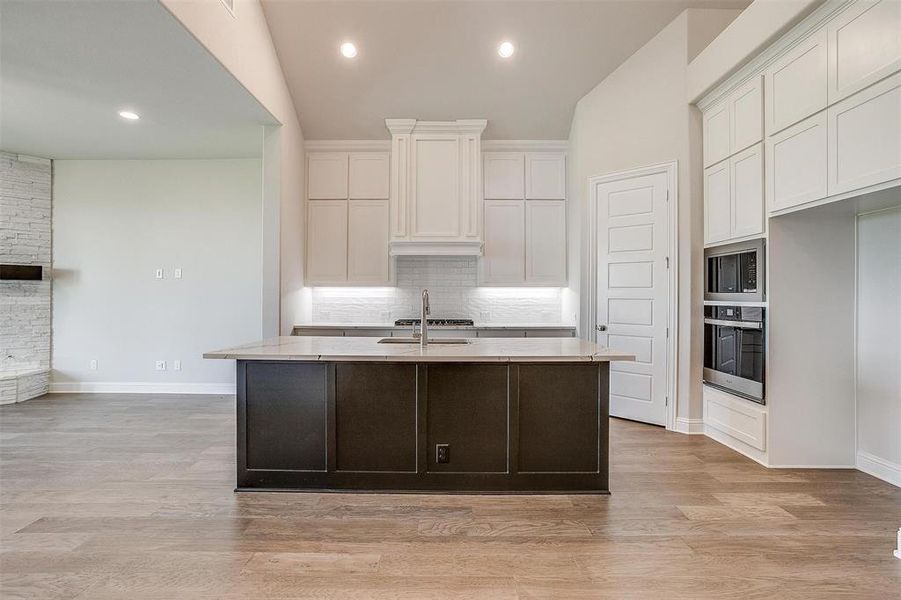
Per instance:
(879,467)
(736,444)
(115,387)
(689,426)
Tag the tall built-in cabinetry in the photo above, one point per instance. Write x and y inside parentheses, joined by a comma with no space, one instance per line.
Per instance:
(813,119)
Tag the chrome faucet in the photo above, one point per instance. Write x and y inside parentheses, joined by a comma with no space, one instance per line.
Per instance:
(424,321)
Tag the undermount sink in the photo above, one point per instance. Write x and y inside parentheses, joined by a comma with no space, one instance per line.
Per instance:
(413,340)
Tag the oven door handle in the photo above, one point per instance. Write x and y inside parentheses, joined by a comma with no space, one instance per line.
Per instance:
(736,324)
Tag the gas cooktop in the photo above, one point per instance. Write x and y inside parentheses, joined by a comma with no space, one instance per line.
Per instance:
(435,322)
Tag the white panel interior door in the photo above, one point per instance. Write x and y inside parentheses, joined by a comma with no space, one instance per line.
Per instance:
(633,292)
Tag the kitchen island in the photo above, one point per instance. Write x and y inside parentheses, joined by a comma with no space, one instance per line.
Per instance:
(488,415)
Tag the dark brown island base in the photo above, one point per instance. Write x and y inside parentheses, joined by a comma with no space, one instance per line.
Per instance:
(493,415)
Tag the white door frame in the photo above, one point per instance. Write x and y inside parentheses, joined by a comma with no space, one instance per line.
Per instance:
(671,170)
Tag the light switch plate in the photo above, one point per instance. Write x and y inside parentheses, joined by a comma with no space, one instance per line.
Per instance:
(160,365)
(93,365)
(176,365)
(159,273)
(178,273)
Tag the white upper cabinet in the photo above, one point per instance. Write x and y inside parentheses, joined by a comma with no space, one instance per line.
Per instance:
(796,83)
(504,175)
(546,242)
(326,175)
(865,137)
(864,46)
(504,258)
(367,242)
(796,164)
(369,175)
(717,204)
(326,241)
(746,180)
(545,176)
(746,114)
(717,133)
(734,123)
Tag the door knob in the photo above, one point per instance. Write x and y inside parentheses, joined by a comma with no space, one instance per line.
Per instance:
(601,327)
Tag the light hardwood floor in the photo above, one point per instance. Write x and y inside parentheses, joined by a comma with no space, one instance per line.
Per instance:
(130,497)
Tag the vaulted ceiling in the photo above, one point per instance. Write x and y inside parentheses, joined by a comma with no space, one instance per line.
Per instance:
(437,60)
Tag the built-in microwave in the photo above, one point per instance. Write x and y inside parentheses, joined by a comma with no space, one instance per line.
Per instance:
(735,349)
(735,272)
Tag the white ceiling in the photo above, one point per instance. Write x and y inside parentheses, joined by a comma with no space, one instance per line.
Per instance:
(437,60)
(67,68)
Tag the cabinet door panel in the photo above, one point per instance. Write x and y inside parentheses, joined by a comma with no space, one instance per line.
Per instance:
(436,186)
(545,176)
(369,175)
(747,192)
(796,164)
(717,205)
(546,242)
(717,136)
(467,408)
(865,137)
(375,417)
(327,241)
(504,258)
(504,175)
(367,252)
(747,114)
(796,84)
(327,175)
(864,46)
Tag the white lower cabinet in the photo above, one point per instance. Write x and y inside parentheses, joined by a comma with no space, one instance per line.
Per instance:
(326,241)
(796,164)
(367,242)
(864,144)
(546,242)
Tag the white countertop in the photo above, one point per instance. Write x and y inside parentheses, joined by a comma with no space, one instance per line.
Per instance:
(318,348)
(402,327)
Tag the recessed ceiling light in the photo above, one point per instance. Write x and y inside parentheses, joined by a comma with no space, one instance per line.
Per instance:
(127,114)
(348,50)
(505,50)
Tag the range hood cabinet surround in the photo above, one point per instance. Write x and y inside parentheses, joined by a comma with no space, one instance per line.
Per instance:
(436,191)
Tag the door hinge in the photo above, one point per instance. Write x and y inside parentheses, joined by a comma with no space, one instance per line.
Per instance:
(667,332)
(667,262)
(666,400)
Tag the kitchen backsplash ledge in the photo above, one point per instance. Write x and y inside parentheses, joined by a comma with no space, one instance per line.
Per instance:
(454,292)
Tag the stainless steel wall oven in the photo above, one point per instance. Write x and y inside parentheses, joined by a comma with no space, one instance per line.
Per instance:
(735,350)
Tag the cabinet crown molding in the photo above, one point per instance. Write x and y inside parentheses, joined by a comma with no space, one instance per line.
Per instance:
(459,126)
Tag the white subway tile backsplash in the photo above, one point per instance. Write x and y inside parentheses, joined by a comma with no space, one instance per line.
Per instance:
(453,291)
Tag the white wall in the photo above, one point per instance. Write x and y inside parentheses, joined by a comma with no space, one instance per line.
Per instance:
(810,362)
(639,116)
(242,43)
(879,344)
(114,224)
